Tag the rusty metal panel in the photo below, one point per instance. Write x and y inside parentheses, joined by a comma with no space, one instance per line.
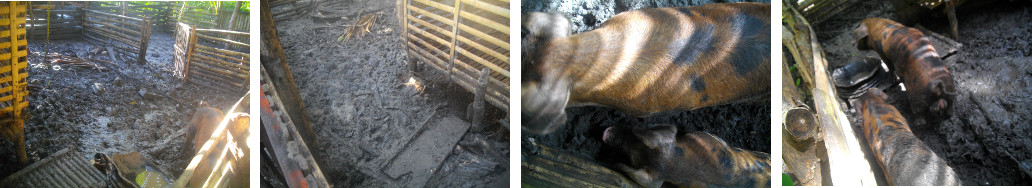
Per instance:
(296,162)
(13,52)
(461,37)
(64,168)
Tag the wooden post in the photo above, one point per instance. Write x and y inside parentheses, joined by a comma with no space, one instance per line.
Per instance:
(189,52)
(232,22)
(475,111)
(455,35)
(144,39)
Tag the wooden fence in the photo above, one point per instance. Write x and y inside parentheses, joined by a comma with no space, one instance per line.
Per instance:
(128,35)
(284,9)
(206,59)
(223,17)
(56,19)
(461,37)
(13,52)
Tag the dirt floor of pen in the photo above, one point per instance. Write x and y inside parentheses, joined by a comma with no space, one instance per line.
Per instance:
(986,141)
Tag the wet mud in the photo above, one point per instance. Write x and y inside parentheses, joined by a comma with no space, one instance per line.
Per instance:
(364,101)
(104,111)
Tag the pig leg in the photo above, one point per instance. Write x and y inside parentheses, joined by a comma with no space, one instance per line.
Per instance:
(641,176)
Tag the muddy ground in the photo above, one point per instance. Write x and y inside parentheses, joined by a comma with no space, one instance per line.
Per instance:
(986,141)
(744,126)
(356,96)
(66,110)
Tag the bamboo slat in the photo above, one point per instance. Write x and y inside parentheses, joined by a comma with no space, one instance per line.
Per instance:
(223,40)
(459,40)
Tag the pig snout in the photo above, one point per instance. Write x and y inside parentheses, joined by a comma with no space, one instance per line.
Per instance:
(544,106)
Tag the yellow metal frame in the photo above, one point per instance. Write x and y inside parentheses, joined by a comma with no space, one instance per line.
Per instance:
(13,61)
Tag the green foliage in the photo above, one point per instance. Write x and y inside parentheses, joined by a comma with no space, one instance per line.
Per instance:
(201,6)
(786,180)
(245,6)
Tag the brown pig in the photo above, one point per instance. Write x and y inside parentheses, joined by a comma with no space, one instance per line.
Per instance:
(695,159)
(930,88)
(904,158)
(203,123)
(645,61)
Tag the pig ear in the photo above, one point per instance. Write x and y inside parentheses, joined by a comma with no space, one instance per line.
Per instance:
(881,94)
(538,27)
(860,37)
(657,136)
(547,25)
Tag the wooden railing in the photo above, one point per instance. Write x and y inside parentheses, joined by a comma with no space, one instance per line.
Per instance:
(56,19)
(461,38)
(128,35)
(211,58)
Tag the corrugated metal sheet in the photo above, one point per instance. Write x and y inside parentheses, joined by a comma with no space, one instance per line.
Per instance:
(66,168)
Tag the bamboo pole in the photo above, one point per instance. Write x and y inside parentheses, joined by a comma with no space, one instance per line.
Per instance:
(224,32)
(114,36)
(222,64)
(242,60)
(226,41)
(484,36)
(427,25)
(430,15)
(486,22)
(191,43)
(119,28)
(497,10)
(227,52)
(454,36)
(113,15)
(497,54)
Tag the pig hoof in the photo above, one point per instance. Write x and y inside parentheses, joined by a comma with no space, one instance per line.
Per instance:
(640,176)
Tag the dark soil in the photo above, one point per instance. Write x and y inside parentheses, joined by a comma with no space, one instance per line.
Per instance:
(356,96)
(744,126)
(986,141)
(65,110)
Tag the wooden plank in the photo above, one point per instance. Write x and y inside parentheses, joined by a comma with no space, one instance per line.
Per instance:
(424,154)
(848,165)
(549,167)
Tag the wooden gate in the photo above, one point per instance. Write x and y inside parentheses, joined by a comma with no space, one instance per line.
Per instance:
(210,58)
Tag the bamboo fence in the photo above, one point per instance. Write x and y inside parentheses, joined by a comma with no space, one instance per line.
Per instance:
(460,38)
